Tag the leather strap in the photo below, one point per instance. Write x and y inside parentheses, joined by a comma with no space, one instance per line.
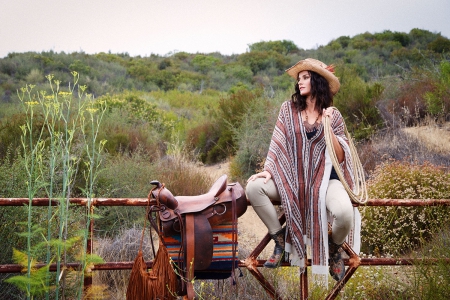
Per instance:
(234,234)
(190,252)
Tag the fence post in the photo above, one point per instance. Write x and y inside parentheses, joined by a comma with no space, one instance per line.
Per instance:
(88,279)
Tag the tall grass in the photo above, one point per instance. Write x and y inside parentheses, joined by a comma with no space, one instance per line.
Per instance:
(54,153)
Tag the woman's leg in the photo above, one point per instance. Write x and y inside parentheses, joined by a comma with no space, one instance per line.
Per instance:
(339,205)
(259,195)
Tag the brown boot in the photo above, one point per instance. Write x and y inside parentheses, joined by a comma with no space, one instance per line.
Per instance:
(337,267)
(278,252)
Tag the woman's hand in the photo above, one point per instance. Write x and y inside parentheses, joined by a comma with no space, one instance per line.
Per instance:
(328,112)
(263,174)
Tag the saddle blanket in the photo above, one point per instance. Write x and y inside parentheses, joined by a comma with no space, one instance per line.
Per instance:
(222,260)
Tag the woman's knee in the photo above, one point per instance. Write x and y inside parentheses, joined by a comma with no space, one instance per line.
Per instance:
(342,212)
(256,193)
(253,189)
(344,216)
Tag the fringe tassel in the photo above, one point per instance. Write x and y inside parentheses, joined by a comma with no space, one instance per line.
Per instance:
(158,283)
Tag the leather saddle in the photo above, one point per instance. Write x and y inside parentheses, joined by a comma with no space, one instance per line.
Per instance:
(192,217)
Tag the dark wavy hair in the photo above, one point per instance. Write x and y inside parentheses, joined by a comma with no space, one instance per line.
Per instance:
(320,90)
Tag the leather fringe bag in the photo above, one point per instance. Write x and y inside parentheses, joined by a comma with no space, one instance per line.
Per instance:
(158,283)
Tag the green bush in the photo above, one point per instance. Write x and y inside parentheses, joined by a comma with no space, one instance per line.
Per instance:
(394,230)
(357,101)
(424,92)
(261,60)
(232,108)
(440,45)
(254,134)
(438,100)
(133,121)
(202,139)
(283,47)
(214,140)
(432,281)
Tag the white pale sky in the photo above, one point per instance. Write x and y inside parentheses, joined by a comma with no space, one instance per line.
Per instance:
(143,27)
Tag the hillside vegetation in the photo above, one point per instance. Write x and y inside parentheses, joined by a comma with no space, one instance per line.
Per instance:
(88,125)
(388,77)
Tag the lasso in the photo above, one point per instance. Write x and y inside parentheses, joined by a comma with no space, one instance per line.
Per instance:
(359,193)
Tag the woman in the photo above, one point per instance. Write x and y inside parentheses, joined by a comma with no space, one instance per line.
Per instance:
(299,173)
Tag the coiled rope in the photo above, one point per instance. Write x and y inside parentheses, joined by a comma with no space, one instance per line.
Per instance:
(359,193)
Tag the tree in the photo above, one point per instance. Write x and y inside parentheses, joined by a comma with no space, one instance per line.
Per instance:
(283,47)
(440,45)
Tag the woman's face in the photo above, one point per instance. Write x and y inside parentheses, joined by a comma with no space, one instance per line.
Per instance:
(304,83)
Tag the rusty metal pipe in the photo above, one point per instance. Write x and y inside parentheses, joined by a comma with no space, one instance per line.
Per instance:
(127,265)
(78,201)
(144,202)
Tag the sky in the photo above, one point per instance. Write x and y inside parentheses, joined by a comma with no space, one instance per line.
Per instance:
(163,27)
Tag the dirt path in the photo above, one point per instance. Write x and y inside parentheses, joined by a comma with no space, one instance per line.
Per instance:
(251,228)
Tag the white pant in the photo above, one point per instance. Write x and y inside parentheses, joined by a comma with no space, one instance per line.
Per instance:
(337,202)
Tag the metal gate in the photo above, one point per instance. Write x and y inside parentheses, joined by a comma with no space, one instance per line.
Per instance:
(251,263)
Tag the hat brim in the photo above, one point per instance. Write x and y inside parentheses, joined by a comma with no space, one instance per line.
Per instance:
(318,67)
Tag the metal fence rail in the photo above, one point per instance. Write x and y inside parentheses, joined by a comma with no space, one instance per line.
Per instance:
(251,262)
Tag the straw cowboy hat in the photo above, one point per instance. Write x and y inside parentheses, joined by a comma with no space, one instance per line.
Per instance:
(320,68)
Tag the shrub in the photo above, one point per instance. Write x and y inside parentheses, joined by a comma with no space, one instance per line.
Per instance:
(438,100)
(261,60)
(132,121)
(423,92)
(357,101)
(253,136)
(231,111)
(400,229)
(204,63)
(214,140)
(35,76)
(440,45)
(202,139)
(283,47)
(181,175)
(410,105)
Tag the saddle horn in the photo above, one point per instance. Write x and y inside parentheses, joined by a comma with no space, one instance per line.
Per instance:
(165,196)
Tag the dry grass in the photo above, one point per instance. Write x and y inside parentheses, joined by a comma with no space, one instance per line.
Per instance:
(123,247)
(415,144)
(435,138)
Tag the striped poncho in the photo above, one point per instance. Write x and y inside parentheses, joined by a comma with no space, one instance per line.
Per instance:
(301,170)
